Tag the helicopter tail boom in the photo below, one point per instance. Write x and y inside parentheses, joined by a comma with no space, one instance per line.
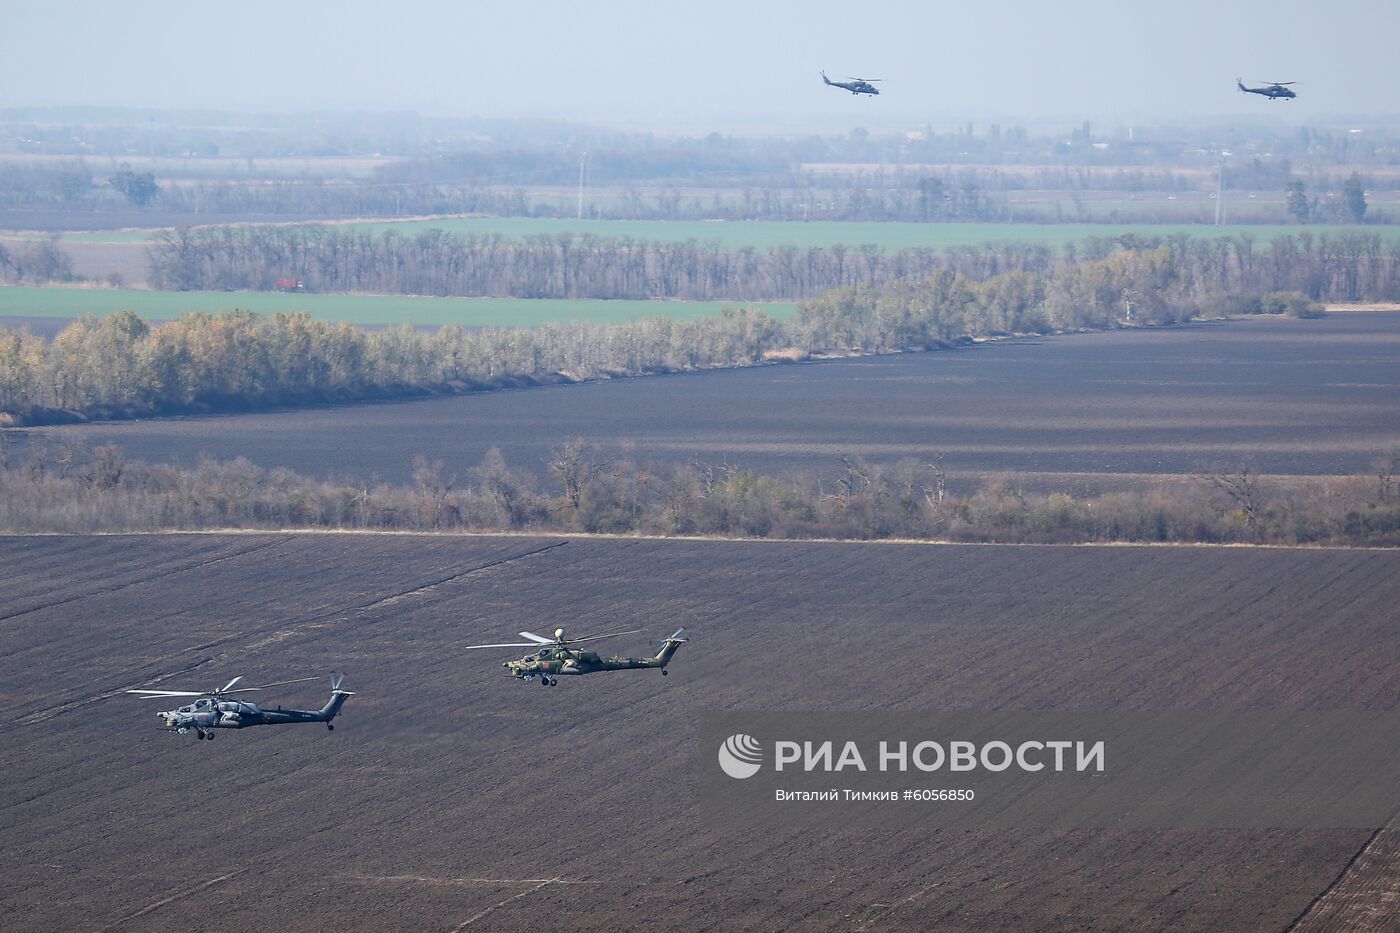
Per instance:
(329,711)
(337,700)
(669,646)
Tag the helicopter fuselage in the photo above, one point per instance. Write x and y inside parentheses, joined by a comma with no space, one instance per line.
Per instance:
(1272,92)
(208,713)
(856,86)
(548,663)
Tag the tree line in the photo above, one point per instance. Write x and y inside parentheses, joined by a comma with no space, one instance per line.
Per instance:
(123,366)
(566,265)
(1348,266)
(77,490)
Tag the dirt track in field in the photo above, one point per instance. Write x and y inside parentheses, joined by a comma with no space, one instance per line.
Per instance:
(450,797)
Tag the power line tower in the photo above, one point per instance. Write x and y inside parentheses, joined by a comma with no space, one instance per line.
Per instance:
(582,163)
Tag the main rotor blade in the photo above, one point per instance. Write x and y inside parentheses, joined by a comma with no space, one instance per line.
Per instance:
(280,683)
(230,684)
(513,644)
(157,694)
(539,639)
(572,641)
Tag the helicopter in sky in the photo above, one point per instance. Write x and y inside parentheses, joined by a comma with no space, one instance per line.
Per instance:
(856,86)
(557,656)
(211,711)
(1272,91)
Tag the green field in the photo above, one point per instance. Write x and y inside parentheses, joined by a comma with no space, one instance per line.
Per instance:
(769,234)
(62,302)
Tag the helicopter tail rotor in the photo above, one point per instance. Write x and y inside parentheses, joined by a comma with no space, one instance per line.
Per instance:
(678,638)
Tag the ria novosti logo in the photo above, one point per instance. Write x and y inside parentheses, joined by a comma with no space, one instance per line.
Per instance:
(740,756)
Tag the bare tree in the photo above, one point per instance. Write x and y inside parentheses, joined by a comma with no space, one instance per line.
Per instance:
(939,492)
(576,467)
(1240,485)
(509,492)
(854,481)
(1386,469)
(106,466)
(432,489)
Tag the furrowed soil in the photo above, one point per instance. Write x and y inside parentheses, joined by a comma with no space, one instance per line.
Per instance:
(450,797)
(1083,412)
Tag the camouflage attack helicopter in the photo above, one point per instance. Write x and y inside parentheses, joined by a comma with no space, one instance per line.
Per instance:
(1271,91)
(556,656)
(211,711)
(856,86)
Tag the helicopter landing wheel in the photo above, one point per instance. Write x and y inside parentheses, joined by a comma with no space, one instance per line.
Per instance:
(544,681)
(210,736)
(200,736)
(664,672)
(554,681)
(330,728)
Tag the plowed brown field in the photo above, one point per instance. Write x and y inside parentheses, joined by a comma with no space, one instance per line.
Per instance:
(450,797)
(1086,411)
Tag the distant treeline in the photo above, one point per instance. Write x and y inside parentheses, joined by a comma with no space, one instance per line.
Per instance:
(335,166)
(959,195)
(828,192)
(81,491)
(122,366)
(1346,267)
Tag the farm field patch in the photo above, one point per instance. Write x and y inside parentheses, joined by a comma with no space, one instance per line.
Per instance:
(449,791)
(823,234)
(55,301)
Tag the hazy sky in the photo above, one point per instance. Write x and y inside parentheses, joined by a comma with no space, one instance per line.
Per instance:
(714,64)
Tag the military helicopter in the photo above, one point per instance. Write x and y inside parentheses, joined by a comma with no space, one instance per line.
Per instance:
(1271,91)
(211,711)
(556,656)
(856,86)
